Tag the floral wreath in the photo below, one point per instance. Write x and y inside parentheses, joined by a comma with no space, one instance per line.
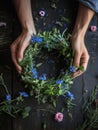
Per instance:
(42,88)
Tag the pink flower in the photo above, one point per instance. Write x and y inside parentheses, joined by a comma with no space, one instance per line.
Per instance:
(42,13)
(93,28)
(59,116)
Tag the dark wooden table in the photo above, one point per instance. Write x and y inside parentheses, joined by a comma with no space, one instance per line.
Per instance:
(87,81)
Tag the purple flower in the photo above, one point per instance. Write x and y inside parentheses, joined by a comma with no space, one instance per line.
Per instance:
(42,13)
(34,72)
(36,39)
(23,94)
(8,97)
(59,81)
(72,69)
(59,116)
(43,77)
(70,95)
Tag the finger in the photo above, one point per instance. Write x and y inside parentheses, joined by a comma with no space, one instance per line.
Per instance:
(76,61)
(77,73)
(84,62)
(13,54)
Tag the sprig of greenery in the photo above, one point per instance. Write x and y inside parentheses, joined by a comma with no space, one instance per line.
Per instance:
(90,112)
(11,106)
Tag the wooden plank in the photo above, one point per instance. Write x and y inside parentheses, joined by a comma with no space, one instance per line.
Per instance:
(6,24)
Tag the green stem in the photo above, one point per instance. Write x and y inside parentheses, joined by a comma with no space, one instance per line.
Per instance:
(3,83)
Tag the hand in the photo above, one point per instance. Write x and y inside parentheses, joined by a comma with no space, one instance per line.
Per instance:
(18,47)
(81,56)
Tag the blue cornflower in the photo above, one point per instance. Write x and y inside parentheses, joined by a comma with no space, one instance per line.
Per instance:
(36,39)
(23,94)
(69,94)
(33,39)
(59,81)
(35,74)
(39,39)
(43,77)
(8,97)
(72,69)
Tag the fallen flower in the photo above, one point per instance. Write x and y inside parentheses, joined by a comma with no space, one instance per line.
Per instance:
(42,13)
(59,116)
(93,28)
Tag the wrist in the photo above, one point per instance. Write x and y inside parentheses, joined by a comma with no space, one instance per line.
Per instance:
(29,28)
(78,34)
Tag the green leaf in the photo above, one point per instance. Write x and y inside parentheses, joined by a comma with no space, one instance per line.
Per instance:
(64,19)
(38,65)
(25,112)
(60,92)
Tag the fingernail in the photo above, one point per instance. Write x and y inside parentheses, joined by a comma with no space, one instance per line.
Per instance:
(19,70)
(19,59)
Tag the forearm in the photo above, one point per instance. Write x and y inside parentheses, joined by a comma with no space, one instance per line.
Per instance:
(23,9)
(84,17)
